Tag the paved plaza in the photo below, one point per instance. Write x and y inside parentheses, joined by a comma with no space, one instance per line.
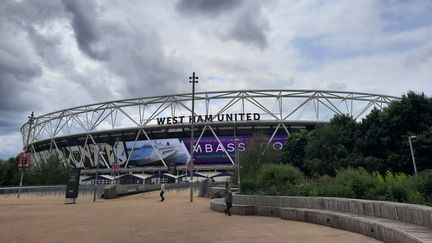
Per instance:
(142,218)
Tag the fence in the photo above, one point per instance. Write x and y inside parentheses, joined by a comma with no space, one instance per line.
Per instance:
(84,190)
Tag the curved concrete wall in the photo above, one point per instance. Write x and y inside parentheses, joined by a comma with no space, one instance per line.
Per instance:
(409,213)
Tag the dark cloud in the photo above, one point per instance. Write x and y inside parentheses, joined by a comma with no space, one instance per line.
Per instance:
(42,71)
(131,51)
(30,13)
(19,65)
(85,25)
(251,27)
(136,55)
(206,7)
(17,69)
(243,21)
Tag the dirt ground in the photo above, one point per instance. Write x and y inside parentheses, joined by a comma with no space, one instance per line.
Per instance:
(142,218)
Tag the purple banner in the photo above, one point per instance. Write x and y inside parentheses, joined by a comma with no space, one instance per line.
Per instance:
(174,150)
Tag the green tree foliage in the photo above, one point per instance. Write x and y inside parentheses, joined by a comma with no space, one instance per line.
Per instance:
(278,178)
(257,153)
(9,174)
(51,172)
(331,147)
(249,186)
(352,184)
(294,149)
(383,135)
(348,183)
(378,143)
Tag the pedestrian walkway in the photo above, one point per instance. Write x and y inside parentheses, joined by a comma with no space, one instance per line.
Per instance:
(142,218)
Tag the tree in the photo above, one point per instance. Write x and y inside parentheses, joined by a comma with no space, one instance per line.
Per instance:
(331,147)
(294,149)
(9,174)
(384,134)
(51,172)
(257,153)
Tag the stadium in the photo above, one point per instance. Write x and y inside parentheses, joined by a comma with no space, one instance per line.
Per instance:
(152,134)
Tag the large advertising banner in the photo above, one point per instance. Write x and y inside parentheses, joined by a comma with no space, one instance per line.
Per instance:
(176,150)
(150,152)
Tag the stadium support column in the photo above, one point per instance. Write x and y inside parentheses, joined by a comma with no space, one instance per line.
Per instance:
(193,80)
(27,149)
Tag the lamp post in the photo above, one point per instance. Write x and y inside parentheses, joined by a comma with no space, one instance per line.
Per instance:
(193,80)
(115,165)
(237,162)
(27,149)
(412,153)
(100,153)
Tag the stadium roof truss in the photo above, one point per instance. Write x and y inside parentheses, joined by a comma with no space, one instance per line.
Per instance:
(277,107)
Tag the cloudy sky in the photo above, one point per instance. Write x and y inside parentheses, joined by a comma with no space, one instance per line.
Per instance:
(58,54)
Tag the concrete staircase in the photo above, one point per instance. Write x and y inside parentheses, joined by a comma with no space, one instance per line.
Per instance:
(385,221)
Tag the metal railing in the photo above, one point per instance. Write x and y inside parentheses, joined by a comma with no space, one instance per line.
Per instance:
(85,190)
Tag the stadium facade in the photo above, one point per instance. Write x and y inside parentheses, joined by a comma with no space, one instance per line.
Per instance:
(153,133)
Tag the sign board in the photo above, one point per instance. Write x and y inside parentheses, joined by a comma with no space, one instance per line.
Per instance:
(115,167)
(72,185)
(172,168)
(28,160)
(21,159)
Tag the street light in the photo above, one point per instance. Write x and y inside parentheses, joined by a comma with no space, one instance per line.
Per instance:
(27,149)
(412,153)
(100,153)
(237,162)
(115,165)
(193,80)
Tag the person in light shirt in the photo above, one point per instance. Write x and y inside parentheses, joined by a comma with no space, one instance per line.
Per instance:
(162,191)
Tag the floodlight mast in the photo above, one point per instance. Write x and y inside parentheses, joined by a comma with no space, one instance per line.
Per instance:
(27,149)
(193,80)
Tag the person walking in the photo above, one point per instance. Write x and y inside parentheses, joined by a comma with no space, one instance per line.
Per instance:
(162,191)
(228,199)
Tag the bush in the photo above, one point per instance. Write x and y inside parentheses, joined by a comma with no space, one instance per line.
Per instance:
(248,186)
(352,183)
(403,188)
(424,185)
(276,179)
(308,188)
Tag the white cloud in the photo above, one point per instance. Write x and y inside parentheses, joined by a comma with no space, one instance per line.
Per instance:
(55,55)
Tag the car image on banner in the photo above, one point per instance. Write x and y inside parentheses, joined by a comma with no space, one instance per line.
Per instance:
(174,150)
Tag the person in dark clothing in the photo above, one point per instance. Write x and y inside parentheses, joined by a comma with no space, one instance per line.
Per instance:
(162,191)
(228,199)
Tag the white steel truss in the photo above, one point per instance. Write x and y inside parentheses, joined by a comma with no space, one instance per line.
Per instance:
(279,107)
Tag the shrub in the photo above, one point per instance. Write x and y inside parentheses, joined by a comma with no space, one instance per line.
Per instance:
(425,185)
(276,179)
(403,188)
(308,188)
(352,183)
(248,186)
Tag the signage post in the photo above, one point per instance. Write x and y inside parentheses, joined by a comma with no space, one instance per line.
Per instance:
(72,185)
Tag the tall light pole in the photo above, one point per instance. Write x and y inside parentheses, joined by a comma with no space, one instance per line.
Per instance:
(193,80)
(115,165)
(238,162)
(412,153)
(100,153)
(27,149)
